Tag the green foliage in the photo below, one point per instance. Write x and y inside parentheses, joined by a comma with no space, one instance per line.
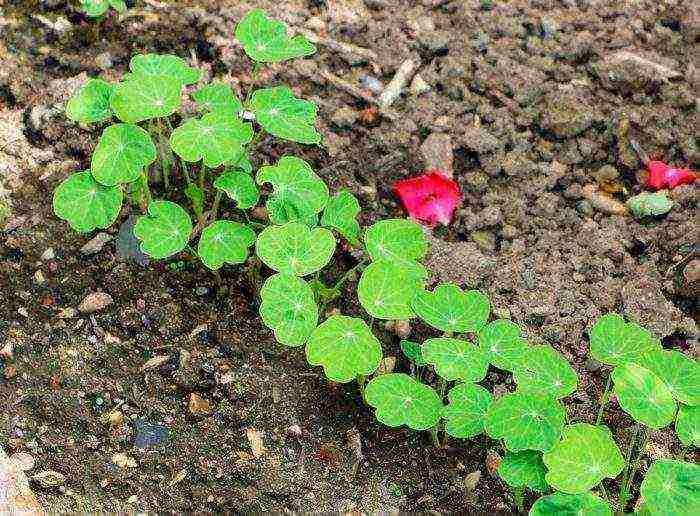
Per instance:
(615,342)
(145,97)
(95,8)
(412,350)
(121,154)
(456,359)
(345,347)
(585,455)
(196,197)
(285,116)
(288,308)
(502,342)
(399,241)
(562,504)
(164,65)
(240,187)
(165,231)
(688,425)
(265,40)
(524,469)
(223,242)
(680,373)
(672,487)
(543,370)
(401,400)
(386,290)
(295,248)
(341,214)
(451,310)
(649,204)
(217,97)
(643,395)
(90,103)
(85,203)
(464,415)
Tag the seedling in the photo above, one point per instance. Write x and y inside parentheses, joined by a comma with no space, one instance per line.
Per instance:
(521,470)
(502,342)
(562,504)
(680,373)
(468,405)
(543,370)
(456,359)
(688,425)
(288,307)
(671,487)
(450,310)
(97,8)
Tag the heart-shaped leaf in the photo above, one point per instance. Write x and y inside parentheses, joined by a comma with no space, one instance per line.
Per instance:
(412,350)
(240,187)
(456,359)
(283,115)
(562,504)
(288,308)
(671,487)
(298,192)
(85,203)
(118,5)
(545,371)
(464,415)
(400,241)
(647,204)
(345,347)
(526,421)
(341,214)
(680,373)
(121,154)
(584,456)
(165,231)
(265,40)
(524,469)
(401,400)
(146,96)
(386,289)
(295,248)
(216,138)
(450,309)
(502,341)
(94,8)
(643,395)
(90,103)
(217,97)
(164,65)
(224,241)
(688,425)
(615,342)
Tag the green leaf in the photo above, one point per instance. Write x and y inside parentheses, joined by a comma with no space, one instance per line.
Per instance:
(524,469)
(688,425)
(90,103)
(401,400)
(400,241)
(265,40)
(94,8)
(585,455)
(456,359)
(643,395)
(121,154)
(216,138)
(502,342)
(298,192)
(412,350)
(224,241)
(385,290)
(118,5)
(217,97)
(165,231)
(450,309)
(295,248)
(562,504)
(680,373)
(164,65)
(323,293)
(647,204)
(285,116)
(615,342)
(526,421)
(545,371)
(288,308)
(196,197)
(464,415)
(345,347)
(341,214)
(240,187)
(146,96)
(85,203)
(672,487)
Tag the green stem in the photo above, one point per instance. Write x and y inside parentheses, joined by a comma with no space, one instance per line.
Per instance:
(254,78)
(624,486)
(624,497)
(146,193)
(347,275)
(435,436)
(215,208)
(202,175)
(186,172)
(604,400)
(361,380)
(519,495)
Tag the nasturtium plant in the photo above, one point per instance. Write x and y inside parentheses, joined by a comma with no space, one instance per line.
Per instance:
(288,308)
(680,373)
(672,487)
(464,415)
(166,65)
(543,370)
(165,231)
(240,187)
(456,359)
(584,456)
(688,425)
(643,395)
(95,8)
(217,97)
(524,469)
(615,342)
(266,40)
(295,248)
(386,290)
(145,97)
(345,347)
(85,203)
(91,102)
(526,421)
(502,342)
(449,309)
(412,350)
(121,155)
(285,116)
(400,241)
(224,241)
(401,400)
(341,214)
(562,504)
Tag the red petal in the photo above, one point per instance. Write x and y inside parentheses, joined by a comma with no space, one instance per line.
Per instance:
(431,197)
(657,174)
(679,176)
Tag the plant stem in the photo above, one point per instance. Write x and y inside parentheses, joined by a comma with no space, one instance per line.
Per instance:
(519,495)
(625,491)
(361,379)
(202,175)
(254,78)
(215,208)
(624,487)
(604,399)
(146,191)
(186,172)
(345,276)
(435,436)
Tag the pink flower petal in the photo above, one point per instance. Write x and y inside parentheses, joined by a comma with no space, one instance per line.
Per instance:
(431,197)
(661,176)
(679,176)
(657,174)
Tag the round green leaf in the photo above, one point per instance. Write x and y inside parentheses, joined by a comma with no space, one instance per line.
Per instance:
(400,241)
(672,487)
(345,347)
(85,203)
(543,370)
(502,342)
(412,350)
(217,97)
(341,214)
(647,204)
(456,359)
(298,192)
(526,421)
(464,415)
(146,96)
(240,187)
(164,65)
(524,469)
(121,154)
(94,8)
(224,241)
(90,103)
(165,231)
(285,116)
(615,342)
(288,308)
(401,400)
(585,455)
(643,395)
(562,504)
(385,290)
(265,40)
(680,373)
(450,309)
(216,138)
(118,5)
(688,425)
(295,248)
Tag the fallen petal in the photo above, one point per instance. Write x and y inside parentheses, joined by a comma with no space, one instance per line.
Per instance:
(431,197)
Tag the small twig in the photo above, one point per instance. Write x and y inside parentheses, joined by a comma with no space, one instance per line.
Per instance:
(403,75)
(345,48)
(359,93)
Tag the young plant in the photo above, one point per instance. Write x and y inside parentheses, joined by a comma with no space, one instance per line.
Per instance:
(523,469)
(562,504)
(671,487)
(98,8)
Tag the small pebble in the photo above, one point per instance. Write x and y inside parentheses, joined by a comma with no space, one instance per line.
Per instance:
(691,272)
(603,202)
(47,255)
(95,302)
(96,244)
(198,406)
